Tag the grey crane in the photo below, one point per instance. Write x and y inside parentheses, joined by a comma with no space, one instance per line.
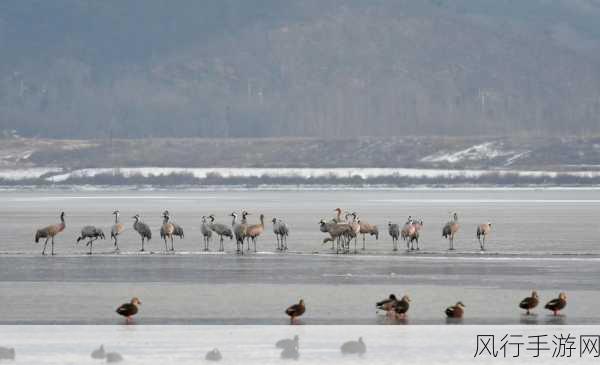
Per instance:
(281,231)
(255,230)
(394,231)
(177,229)
(450,229)
(355,225)
(221,230)
(206,234)
(116,229)
(239,230)
(166,230)
(341,233)
(50,232)
(366,228)
(483,230)
(90,233)
(143,229)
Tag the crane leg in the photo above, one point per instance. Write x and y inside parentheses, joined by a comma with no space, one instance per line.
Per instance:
(142,250)
(52,245)
(172,247)
(364,242)
(44,249)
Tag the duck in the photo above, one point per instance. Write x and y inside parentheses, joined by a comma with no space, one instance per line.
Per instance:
(556,305)
(130,309)
(296,310)
(401,307)
(387,304)
(354,347)
(99,353)
(530,302)
(456,311)
(213,355)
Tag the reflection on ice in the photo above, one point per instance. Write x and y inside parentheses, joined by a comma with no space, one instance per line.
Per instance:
(213,355)
(354,347)
(7,353)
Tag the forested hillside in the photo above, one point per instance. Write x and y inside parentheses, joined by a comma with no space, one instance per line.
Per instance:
(299,68)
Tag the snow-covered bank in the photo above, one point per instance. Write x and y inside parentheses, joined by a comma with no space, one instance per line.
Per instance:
(165,176)
(307,173)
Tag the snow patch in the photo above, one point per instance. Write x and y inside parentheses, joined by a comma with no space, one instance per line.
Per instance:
(484,151)
(30,173)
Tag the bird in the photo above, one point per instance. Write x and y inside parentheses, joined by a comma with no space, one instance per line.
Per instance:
(288,342)
(114,357)
(414,234)
(355,228)
(281,231)
(50,232)
(92,233)
(221,230)
(483,230)
(98,353)
(255,230)
(400,308)
(366,228)
(354,347)
(166,230)
(324,227)
(337,233)
(143,229)
(394,231)
(213,355)
(7,353)
(455,311)
(239,230)
(130,309)
(387,303)
(530,302)
(558,304)
(338,217)
(116,229)
(450,229)
(405,228)
(296,310)
(206,233)
(177,229)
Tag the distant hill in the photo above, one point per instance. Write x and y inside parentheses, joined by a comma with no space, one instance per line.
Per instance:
(485,153)
(299,68)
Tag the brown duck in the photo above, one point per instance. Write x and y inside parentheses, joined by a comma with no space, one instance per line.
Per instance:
(556,305)
(402,307)
(130,309)
(530,302)
(387,304)
(456,311)
(296,310)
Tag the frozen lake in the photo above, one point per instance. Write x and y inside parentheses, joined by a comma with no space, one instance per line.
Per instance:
(544,239)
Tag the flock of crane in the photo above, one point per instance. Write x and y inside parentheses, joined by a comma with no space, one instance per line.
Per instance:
(342,230)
